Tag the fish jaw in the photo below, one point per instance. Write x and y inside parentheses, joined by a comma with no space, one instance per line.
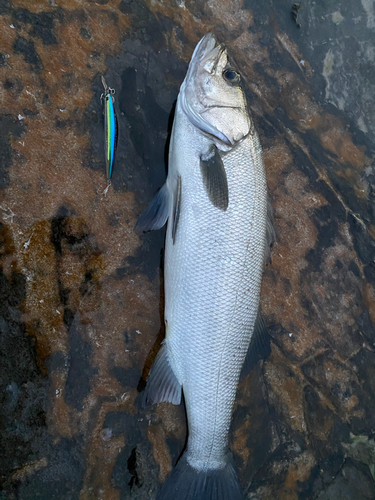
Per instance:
(212,104)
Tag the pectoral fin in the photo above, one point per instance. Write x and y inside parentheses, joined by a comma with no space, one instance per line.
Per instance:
(156,214)
(215,180)
(259,347)
(162,384)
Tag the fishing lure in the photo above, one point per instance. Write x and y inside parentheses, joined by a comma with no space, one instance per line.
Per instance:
(110,128)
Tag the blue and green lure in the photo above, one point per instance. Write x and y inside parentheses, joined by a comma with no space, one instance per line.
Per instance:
(110,128)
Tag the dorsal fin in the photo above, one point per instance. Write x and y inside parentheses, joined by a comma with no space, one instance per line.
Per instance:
(259,347)
(270,232)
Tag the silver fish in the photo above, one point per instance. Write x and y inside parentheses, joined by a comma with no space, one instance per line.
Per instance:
(218,239)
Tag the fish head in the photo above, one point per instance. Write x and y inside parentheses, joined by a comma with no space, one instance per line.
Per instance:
(212,97)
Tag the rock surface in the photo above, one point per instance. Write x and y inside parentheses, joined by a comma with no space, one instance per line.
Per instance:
(81,293)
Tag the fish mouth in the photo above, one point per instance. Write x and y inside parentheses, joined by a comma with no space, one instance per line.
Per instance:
(207,53)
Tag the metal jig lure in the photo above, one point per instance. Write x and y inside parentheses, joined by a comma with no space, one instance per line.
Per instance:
(110,128)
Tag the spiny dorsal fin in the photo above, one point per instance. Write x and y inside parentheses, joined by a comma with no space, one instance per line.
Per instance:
(156,214)
(176,207)
(215,180)
(270,232)
(259,347)
(162,384)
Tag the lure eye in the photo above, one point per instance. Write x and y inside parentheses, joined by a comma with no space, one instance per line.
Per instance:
(231,76)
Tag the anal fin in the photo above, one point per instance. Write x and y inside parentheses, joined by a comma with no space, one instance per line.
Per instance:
(259,347)
(162,384)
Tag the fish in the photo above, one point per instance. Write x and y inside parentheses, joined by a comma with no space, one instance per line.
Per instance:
(219,233)
(110,128)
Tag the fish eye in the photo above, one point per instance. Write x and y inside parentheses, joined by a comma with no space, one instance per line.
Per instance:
(231,76)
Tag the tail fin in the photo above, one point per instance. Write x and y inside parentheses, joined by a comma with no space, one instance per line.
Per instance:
(187,483)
